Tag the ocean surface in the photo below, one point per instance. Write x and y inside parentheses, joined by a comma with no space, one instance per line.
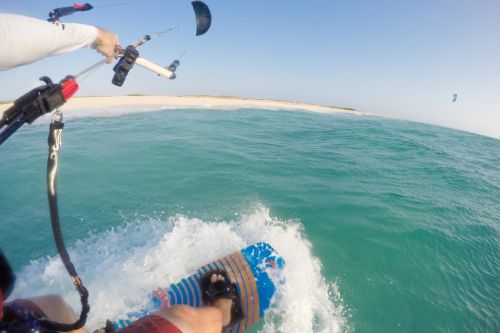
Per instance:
(385,225)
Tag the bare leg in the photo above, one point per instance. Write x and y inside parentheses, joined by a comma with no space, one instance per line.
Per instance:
(55,308)
(209,319)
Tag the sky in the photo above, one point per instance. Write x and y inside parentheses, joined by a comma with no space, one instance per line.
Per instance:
(402,59)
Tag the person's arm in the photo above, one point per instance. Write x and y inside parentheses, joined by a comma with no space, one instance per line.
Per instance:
(24,40)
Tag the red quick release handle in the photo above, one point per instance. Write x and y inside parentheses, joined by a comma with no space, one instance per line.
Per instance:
(69,88)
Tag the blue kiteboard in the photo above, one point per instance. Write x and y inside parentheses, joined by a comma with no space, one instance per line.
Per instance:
(254,270)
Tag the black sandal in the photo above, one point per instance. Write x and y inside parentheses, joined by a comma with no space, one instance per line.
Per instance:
(213,291)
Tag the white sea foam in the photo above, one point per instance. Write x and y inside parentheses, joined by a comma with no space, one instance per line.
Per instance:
(122,266)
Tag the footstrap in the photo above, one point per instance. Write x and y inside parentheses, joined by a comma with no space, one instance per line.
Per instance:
(219,289)
(213,291)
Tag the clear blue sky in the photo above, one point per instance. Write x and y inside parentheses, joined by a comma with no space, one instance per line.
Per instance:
(399,58)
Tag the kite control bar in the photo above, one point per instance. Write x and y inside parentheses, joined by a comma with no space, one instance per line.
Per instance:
(35,103)
(129,57)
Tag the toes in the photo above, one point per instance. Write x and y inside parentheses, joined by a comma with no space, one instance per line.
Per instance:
(216,277)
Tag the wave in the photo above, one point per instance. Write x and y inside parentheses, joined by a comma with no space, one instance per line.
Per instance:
(121,266)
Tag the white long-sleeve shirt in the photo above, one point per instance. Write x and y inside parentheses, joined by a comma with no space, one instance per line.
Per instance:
(24,40)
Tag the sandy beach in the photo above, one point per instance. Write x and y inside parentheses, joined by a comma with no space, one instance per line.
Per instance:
(96,105)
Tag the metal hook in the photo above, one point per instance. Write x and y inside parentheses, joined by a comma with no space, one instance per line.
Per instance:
(57,116)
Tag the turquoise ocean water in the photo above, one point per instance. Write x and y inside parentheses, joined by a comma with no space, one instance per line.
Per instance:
(385,225)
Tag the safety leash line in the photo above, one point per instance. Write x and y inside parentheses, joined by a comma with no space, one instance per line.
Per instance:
(54,141)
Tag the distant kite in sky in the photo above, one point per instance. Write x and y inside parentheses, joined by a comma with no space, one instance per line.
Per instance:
(455,96)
